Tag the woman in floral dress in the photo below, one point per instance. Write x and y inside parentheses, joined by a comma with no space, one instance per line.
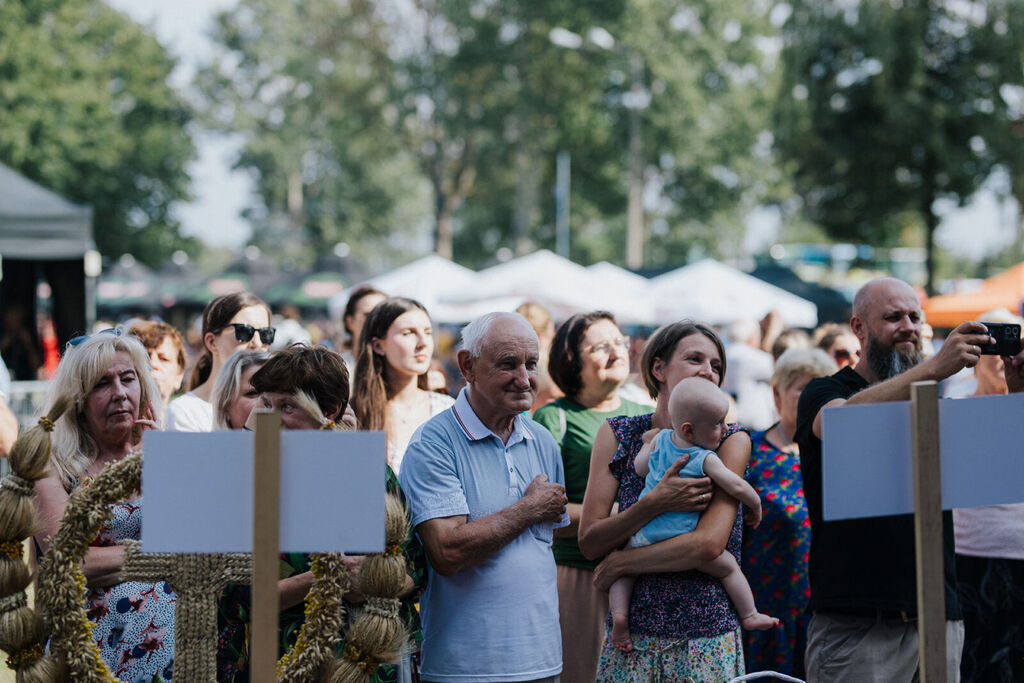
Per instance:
(775,553)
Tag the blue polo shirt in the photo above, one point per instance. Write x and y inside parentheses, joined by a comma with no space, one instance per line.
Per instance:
(496,621)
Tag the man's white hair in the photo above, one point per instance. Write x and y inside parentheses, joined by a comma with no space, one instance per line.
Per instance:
(474,333)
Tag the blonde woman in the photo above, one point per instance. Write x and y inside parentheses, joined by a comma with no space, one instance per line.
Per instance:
(102,397)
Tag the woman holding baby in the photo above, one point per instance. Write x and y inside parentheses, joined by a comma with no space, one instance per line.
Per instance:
(681,621)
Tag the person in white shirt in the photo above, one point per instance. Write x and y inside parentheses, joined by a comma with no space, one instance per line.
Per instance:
(230,323)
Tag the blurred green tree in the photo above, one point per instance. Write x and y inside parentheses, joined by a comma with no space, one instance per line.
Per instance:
(308,85)
(359,117)
(86,109)
(886,107)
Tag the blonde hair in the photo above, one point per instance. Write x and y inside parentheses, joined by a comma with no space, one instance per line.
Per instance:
(82,366)
(1000,315)
(796,363)
(229,383)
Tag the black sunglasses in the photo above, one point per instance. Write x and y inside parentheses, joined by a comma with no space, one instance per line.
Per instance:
(244,333)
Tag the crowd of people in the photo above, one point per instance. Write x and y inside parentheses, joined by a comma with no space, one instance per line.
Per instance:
(573,465)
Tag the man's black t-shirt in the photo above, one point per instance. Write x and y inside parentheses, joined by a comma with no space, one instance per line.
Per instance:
(859,563)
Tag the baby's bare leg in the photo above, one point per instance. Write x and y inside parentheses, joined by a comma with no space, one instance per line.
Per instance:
(619,595)
(725,569)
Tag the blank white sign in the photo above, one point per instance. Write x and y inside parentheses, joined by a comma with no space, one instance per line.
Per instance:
(867,461)
(198,492)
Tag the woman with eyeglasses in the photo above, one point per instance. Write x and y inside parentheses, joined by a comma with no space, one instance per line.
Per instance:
(589,361)
(390,391)
(230,323)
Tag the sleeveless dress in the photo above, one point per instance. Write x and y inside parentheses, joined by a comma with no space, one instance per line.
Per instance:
(134,621)
(682,623)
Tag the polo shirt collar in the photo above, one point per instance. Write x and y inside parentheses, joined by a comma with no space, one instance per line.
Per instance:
(476,430)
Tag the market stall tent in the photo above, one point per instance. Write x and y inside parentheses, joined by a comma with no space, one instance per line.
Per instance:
(43,236)
(1003,290)
(561,285)
(427,280)
(719,294)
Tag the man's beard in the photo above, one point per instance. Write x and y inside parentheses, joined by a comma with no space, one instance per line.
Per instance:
(887,362)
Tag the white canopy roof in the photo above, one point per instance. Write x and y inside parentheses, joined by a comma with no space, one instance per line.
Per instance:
(426,280)
(558,283)
(707,291)
(718,294)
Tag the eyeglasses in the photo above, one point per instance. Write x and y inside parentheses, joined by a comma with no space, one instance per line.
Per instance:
(75,341)
(244,333)
(605,347)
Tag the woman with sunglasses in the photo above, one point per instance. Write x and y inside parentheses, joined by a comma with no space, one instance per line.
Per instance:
(230,323)
(589,361)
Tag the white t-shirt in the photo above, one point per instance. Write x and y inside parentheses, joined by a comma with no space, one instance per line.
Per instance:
(189,413)
(990,531)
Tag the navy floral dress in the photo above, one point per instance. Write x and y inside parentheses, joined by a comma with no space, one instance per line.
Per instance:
(134,621)
(775,560)
(682,624)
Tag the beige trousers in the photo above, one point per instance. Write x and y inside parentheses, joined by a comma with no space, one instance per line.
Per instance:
(582,610)
(846,649)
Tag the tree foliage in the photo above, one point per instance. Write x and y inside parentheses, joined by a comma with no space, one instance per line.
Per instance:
(474,100)
(887,107)
(86,110)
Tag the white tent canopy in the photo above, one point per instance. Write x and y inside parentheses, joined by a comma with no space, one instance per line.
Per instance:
(718,294)
(707,291)
(557,283)
(426,280)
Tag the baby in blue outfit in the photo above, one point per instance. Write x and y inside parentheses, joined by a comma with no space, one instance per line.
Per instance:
(697,408)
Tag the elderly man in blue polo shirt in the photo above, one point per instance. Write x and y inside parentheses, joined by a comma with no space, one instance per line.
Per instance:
(485,489)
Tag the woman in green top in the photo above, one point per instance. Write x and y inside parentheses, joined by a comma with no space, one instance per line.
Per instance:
(589,361)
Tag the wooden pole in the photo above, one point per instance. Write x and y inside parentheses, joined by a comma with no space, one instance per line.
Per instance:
(265,546)
(931,592)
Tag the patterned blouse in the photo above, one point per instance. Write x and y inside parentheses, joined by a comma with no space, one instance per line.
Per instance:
(233,610)
(670,605)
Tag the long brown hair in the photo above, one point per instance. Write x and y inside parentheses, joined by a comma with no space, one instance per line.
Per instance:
(370,395)
(216,316)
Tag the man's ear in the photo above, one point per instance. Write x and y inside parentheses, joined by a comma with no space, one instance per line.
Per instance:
(859,328)
(465,361)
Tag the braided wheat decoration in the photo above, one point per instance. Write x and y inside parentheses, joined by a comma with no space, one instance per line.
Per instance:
(375,637)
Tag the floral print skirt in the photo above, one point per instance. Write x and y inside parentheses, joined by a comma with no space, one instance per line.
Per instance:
(673,660)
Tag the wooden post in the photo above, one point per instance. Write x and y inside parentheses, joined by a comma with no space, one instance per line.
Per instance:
(265,547)
(931,593)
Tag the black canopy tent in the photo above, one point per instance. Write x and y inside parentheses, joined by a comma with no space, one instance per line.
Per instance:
(43,237)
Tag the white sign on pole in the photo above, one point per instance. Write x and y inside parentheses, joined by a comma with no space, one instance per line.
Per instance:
(867,466)
(198,492)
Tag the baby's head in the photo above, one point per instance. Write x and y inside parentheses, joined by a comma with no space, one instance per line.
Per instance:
(697,408)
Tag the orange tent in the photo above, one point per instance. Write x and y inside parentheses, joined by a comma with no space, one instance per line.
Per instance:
(1005,289)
